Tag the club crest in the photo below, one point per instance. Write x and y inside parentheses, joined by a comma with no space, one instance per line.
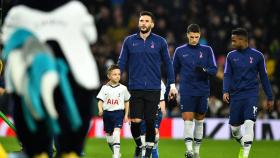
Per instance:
(152,45)
(200,55)
(251,60)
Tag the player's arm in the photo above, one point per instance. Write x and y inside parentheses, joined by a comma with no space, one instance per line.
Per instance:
(170,71)
(212,66)
(126,111)
(123,55)
(176,63)
(265,83)
(101,97)
(100,109)
(227,80)
(162,107)
(126,104)
(162,101)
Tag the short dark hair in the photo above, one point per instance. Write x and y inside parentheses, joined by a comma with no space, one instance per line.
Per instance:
(112,67)
(240,32)
(150,14)
(193,28)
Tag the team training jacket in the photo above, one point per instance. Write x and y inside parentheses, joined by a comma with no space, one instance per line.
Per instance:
(142,59)
(186,59)
(241,74)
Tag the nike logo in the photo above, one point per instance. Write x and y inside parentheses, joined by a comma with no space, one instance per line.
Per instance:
(236,59)
(185,55)
(255,109)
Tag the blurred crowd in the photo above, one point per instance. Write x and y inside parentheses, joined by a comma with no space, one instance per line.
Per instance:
(116,19)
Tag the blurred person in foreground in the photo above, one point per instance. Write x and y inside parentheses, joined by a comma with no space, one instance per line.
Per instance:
(51,74)
(241,88)
(194,63)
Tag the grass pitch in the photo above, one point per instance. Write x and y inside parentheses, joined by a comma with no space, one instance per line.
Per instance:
(169,148)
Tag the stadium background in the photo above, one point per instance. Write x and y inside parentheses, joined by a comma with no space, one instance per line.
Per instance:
(116,19)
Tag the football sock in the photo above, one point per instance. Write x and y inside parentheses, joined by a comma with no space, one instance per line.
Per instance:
(109,139)
(116,142)
(236,133)
(150,130)
(198,134)
(156,141)
(248,136)
(143,140)
(188,135)
(149,148)
(135,131)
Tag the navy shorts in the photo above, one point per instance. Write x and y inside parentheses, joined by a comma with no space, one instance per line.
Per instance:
(112,119)
(197,104)
(157,122)
(243,109)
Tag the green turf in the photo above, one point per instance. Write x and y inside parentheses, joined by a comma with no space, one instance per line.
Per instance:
(98,148)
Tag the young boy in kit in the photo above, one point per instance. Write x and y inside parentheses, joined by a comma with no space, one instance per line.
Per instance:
(113,105)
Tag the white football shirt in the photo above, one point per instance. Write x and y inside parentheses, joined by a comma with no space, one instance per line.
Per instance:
(113,97)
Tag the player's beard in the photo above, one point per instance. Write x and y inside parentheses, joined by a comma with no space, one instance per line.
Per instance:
(148,29)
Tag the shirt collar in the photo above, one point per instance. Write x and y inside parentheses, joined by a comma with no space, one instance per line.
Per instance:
(138,35)
(191,46)
(113,86)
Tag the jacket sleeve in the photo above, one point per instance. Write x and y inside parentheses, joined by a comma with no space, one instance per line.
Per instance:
(211,64)
(227,76)
(167,62)
(264,78)
(123,55)
(176,63)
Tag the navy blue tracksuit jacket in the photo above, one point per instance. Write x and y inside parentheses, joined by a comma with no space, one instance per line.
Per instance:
(186,59)
(241,74)
(142,59)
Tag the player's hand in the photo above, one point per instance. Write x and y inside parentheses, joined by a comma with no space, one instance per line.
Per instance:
(163,111)
(100,113)
(269,105)
(173,91)
(226,97)
(200,70)
(126,119)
